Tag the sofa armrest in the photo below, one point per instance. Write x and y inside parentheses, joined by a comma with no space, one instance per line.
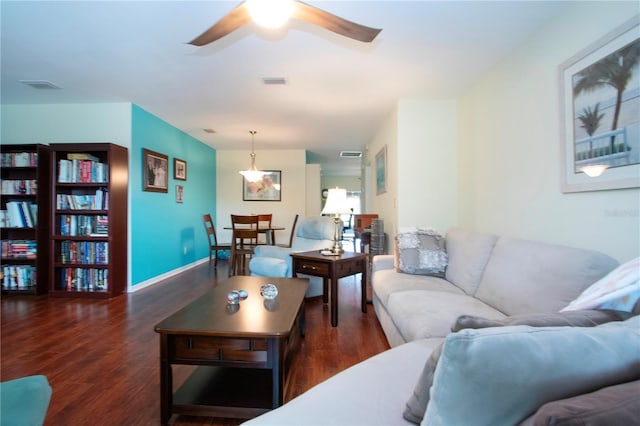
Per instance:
(383,261)
(272,251)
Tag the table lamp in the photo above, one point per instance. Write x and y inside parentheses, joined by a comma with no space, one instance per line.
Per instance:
(336,205)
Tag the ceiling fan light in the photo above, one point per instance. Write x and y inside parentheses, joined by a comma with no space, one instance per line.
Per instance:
(270,13)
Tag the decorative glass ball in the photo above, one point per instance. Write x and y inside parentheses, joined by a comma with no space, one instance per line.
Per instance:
(243,294)
(233,297)
(269,291)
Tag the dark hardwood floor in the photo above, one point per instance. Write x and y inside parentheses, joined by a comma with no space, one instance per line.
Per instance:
(101,357)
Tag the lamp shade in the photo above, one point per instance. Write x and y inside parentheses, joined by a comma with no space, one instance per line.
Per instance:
(336,202)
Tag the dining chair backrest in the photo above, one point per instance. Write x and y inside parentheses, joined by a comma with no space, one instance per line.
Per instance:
(264,222)
(245,238)
(214,245)
(293,231)
(245,230)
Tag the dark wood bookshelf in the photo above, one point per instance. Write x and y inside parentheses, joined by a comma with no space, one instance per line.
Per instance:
(40,173)
(78,264)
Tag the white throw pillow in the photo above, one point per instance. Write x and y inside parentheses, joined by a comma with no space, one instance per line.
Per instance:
(618,290)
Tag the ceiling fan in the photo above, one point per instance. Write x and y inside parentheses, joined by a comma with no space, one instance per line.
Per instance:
(280,11)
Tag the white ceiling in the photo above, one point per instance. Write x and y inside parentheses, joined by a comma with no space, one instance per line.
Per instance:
(338,90)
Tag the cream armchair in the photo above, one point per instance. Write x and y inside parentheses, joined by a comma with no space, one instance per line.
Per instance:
(312,233)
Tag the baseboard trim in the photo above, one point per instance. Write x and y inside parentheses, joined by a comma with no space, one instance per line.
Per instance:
(162,277)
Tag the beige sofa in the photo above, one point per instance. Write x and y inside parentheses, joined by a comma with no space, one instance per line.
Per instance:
(504,374)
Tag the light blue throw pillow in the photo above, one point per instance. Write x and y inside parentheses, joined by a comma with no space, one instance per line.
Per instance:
(500,376)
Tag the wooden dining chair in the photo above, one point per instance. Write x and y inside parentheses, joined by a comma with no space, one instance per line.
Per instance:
(293,232)
(245,238)
(264,222)
(214,245)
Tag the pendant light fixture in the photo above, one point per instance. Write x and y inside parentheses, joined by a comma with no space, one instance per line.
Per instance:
(252,174)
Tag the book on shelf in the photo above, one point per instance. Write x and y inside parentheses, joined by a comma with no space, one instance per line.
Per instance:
(19,186)
(99,201)
(82,171)
(17,276)
(20,214)
(84,279)
(82,156)
(19,249)
(19,159)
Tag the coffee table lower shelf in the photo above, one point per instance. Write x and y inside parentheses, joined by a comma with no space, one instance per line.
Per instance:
(225,392)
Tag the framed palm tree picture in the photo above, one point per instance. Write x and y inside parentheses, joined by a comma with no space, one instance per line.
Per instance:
(600,93)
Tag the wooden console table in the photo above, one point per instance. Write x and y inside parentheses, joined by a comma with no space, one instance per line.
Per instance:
(333,268)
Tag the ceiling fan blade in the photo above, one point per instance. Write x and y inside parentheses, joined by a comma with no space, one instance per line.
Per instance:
(233,20)
(313,15)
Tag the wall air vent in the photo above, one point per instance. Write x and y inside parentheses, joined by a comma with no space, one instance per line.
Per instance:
(274,81)
(40,84)
(350,154)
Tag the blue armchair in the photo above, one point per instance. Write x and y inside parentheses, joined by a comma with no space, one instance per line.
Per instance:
(312,233)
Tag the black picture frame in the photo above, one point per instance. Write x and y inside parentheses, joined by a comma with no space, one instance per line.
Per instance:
(155,171)
(179,169)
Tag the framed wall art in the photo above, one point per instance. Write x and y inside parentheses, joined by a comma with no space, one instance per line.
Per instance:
(179,169)
(179,194)
(269,188)
(155,167)
(381,171)
(600,106)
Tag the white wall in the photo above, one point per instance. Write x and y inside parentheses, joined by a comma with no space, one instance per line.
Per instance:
(509,146)
(229,188)
(427,169)
(67,123)
(385,204)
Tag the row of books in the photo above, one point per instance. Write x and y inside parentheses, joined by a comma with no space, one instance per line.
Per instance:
(84,279)
(99,201)
(19,186)
(82,171)
(17,276)
(19,159)
(19,249)
(84,252)
(77,225)
(19,214)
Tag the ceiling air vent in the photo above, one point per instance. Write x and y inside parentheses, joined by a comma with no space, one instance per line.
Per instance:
(40,84)
(274,81)
(350,154)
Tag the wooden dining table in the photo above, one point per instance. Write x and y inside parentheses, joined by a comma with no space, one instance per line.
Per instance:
(268,231)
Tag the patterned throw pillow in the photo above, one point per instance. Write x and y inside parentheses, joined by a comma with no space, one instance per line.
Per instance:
(618,290)
(421,252)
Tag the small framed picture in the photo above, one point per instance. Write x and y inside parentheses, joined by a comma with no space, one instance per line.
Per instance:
(155,167)
(381,171)
(179,169)
(179,193)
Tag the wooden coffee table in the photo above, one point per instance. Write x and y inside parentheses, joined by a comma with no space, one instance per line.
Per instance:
(333,267)
(242,351)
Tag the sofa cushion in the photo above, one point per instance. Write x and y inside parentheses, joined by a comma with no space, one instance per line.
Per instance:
(584,318)
(421,251)
(372,393)
(525,277)
(612,405)
(468,254)
(388,282)
(417,404)
(619,289)
(517,369)
(420,314)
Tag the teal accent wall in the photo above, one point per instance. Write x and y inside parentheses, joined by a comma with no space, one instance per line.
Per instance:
(166,235)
